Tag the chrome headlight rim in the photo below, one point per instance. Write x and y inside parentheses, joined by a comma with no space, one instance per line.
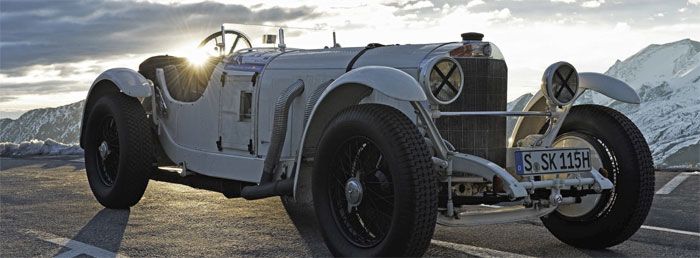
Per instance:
(560,83)
(426,70)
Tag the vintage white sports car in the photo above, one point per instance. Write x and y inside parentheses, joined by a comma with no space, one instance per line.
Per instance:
(379,143)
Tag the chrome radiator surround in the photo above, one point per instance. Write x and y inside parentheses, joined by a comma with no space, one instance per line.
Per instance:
(485,89)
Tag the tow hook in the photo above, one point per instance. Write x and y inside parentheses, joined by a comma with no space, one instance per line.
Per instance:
(555,197)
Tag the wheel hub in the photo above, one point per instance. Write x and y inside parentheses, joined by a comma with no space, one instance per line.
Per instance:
(588,202)
(104,150)
(353,193)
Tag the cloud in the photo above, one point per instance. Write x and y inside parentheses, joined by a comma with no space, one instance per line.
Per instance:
(622,26)
(564,1)
(418,5)
(694,2)
(592,4)
(43,87)
(474,3)
(48,32)
(5,98)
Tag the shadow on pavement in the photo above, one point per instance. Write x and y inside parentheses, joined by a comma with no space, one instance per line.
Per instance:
(105,230)
(304,219)
(602,253)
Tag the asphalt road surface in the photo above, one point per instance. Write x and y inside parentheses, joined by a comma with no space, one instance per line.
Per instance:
(47,209)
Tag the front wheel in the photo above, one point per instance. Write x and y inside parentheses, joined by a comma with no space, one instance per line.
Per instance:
(118,150)
(374,191)
(620,153)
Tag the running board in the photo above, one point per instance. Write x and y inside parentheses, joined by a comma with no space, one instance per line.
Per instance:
(493,216)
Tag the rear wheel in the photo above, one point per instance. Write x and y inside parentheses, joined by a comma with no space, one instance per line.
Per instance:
(620,153)
(374,191)
(118,150)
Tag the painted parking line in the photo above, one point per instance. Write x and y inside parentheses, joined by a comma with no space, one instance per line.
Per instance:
(475,250)
(675,182)
(669,230)
(75,248)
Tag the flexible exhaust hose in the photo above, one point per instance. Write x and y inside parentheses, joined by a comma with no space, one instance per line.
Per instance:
(264,190)
(267,187)
(279,129)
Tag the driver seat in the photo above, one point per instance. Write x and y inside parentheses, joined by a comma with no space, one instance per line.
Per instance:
(185,82)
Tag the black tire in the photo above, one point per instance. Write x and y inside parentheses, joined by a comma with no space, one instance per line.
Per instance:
(402,224)
(628,164)
(119,180)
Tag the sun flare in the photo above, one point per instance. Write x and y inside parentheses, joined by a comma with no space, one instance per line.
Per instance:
(197,57)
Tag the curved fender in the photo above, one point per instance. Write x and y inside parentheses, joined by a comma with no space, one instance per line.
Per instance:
(530,125)
(387,80)
(609,86)
(128,81)
(601,83)
(353,86)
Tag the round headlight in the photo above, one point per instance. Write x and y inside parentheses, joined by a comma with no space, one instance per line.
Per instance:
(560,83)
(442,79)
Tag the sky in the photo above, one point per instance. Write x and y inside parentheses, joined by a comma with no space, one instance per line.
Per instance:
(51,51)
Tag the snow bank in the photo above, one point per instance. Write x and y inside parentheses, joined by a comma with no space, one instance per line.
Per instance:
(38,147)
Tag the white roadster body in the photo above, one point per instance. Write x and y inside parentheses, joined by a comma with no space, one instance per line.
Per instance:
(255,120)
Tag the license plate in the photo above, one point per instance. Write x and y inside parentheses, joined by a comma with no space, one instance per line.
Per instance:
(547,161)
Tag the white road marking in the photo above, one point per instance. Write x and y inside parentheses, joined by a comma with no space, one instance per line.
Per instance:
(675,182)
(76,247)
(672,230)
(475,250)
(668,230)
(490,206)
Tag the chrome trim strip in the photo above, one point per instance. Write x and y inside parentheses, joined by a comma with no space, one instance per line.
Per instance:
(437,114)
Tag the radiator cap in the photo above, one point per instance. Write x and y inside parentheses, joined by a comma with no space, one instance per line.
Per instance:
(472,36)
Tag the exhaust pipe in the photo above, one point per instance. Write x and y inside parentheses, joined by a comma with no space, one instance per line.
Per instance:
(267,187)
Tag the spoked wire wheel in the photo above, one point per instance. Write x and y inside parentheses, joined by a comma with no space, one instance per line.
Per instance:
(118,150)
(107,156)
(362,193)
(374,191)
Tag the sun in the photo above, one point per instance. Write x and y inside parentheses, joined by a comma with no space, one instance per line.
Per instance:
(197,57)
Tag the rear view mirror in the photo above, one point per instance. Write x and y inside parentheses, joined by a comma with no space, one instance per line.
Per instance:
(269,39)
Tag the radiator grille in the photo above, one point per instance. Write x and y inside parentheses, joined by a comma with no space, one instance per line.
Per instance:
(485,89)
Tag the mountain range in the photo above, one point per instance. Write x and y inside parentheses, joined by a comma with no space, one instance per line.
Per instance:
(667,78)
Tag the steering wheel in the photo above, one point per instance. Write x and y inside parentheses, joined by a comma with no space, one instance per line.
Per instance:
(217,37)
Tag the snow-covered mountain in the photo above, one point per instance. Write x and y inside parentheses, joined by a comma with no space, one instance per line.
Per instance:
(667,78)
(61,124)
(517,104)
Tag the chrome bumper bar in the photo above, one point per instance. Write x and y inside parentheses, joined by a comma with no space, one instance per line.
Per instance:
(438,114)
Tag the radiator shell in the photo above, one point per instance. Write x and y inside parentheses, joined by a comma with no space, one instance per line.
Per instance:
(485,89)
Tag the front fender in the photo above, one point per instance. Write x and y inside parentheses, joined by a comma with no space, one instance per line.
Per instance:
(387,80)
(124,80)
(128,81)
(609,86)
(606,85)
(349,89)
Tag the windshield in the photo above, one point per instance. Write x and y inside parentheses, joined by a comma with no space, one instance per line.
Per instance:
(294,37)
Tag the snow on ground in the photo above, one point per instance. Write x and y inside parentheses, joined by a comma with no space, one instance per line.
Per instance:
(38,147)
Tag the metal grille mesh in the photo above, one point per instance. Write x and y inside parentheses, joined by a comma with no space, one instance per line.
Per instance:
(485,89)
